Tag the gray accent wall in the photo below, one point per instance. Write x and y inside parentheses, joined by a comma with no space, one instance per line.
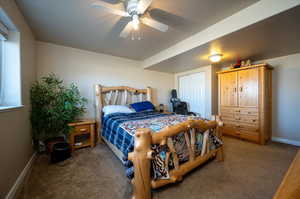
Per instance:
(286,97)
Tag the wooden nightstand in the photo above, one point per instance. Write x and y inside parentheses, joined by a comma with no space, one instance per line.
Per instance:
(81,129)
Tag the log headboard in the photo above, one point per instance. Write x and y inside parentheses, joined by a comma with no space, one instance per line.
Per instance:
(118,95)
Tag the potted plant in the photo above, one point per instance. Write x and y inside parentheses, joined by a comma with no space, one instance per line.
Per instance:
(53,106)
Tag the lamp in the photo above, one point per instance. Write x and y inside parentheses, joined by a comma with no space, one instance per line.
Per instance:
(215,57)
(135,22)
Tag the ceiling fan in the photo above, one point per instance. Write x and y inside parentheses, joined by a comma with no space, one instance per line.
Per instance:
(135,9)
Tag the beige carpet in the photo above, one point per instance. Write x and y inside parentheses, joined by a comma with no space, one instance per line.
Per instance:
(250,171)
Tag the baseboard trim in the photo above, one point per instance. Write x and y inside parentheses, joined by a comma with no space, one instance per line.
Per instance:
(286,141)
(20,180)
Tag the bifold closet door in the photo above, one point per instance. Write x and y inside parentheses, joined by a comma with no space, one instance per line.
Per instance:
(192,91)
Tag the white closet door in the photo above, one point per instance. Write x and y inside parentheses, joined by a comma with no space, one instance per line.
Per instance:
(192,91)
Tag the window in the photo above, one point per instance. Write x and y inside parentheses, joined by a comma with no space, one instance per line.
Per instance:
(10,76)
(3,37)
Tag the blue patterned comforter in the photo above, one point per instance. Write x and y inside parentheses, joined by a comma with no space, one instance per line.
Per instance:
(119,128)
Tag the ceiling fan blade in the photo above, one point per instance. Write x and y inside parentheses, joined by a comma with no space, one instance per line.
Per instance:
(143,5)
(108,8)
(155,24)
(126,31)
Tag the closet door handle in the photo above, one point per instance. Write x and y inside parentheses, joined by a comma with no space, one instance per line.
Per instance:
(241,89)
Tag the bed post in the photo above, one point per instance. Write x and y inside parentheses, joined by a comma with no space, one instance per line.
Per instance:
(149,94)
(141,158)
(99,104)
(220,153)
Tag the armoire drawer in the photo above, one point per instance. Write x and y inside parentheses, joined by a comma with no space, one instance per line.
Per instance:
(241,119)
(227,115)
(241,126)
(246,111)
(247,127)
(249,135)
(251,119)
(239,110)
(243,134)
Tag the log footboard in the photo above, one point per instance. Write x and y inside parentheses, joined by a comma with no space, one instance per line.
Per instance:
(142,154)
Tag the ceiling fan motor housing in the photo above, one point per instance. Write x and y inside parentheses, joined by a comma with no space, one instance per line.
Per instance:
(132,7)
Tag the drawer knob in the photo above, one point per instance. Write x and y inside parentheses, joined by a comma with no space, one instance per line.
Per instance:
(83,130)
(253,120)
(249,112)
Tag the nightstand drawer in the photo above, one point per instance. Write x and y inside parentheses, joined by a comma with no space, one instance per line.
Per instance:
(83,129)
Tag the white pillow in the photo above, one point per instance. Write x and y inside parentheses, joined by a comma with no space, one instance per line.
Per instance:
(109,109)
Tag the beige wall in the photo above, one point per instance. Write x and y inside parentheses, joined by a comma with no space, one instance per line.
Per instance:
(86,68)
(15,147)
(286,97)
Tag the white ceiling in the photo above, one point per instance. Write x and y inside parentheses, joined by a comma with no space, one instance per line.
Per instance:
(73,23)
(273,37)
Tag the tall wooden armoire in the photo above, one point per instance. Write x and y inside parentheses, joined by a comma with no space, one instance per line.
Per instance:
(245,101)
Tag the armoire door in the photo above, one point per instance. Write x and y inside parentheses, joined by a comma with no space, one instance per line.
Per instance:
(248,88)
(228,92)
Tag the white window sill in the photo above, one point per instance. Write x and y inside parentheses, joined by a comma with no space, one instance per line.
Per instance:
(10,108)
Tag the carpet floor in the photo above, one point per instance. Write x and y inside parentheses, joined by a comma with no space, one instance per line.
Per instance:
(250,171)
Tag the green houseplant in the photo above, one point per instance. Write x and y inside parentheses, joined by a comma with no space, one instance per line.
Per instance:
(53,106)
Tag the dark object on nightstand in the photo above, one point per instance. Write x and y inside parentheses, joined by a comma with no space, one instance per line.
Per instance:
(161,108)
(179,107)
(60,152)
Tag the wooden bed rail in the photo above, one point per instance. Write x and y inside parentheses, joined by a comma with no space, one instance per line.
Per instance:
(142,154)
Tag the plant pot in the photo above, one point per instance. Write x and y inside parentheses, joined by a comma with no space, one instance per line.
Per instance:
(60,152)
(52,141)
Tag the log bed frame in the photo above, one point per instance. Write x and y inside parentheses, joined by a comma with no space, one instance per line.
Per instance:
(144,138)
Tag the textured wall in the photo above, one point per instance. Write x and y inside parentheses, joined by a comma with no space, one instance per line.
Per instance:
(15,147)
(88,68)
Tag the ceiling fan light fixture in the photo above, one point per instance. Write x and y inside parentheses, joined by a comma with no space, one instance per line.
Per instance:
(135,22)
(215,57)
(136,10)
